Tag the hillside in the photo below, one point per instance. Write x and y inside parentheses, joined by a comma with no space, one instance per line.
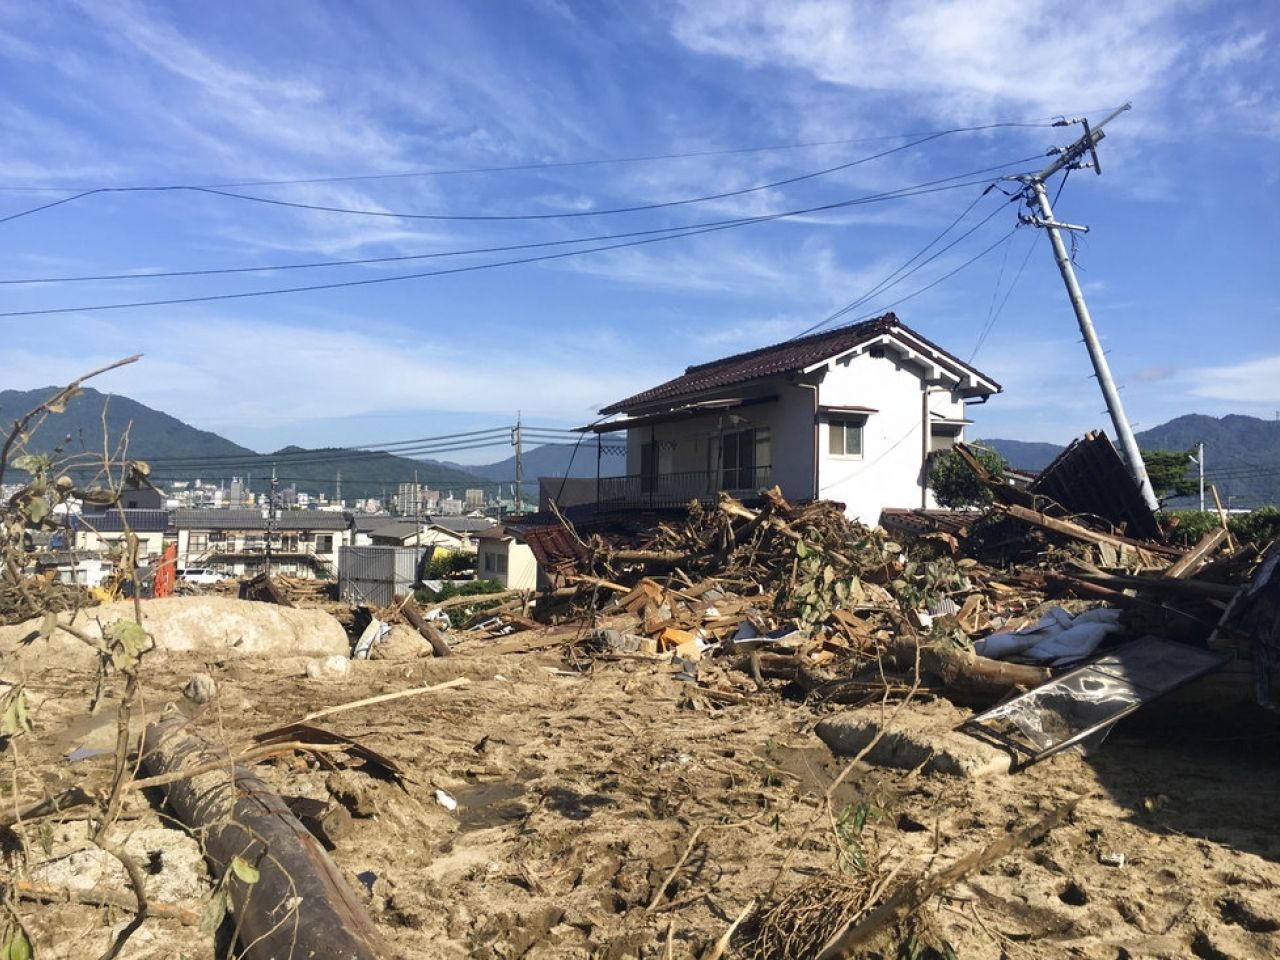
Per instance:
(555,460)
(1242,454)
(153,435)
(1022,454)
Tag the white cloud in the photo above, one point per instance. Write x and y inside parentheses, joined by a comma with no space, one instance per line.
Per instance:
(1250,382)
(964,58)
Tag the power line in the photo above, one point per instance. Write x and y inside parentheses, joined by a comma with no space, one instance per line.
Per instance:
(992,318)
(551,164)
(901,193)
(505,218)
(893,279)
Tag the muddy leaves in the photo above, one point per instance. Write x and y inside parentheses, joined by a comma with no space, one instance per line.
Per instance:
(14,718)
(15,944)
(126,643)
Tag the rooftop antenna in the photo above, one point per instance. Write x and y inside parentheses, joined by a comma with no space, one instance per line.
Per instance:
(1036,196)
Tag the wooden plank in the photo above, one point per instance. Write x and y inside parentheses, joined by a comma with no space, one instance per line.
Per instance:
(1199,554)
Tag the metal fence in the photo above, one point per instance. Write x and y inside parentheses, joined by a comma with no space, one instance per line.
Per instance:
(677,489)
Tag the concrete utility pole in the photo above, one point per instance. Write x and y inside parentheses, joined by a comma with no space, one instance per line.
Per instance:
(271,515)
(516,441)
(1037,196)
(1200,462)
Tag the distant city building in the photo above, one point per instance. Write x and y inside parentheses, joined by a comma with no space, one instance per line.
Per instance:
(474,498)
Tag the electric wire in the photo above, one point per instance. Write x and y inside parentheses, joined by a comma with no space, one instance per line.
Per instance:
(554,164)
(897,276)
(901,193)
(992,318)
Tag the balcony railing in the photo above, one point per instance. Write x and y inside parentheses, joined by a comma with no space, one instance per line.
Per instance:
(677,489)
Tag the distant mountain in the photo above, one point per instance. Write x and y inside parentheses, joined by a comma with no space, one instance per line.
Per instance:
(152,434)
(179,451)
(554,460)
(1242,454)
(1022,454)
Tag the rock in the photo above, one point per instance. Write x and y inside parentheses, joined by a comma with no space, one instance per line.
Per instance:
(329,668)
(402,643)
(922,735)
(217,626)
(200,688)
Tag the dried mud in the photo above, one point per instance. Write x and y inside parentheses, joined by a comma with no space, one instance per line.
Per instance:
(578,793)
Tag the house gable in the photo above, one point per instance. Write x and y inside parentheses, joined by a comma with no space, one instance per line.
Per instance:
(805,355)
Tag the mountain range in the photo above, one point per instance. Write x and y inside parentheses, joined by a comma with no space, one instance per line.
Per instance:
(1242,453)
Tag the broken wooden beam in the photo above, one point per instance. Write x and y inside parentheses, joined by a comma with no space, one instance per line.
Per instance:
(299,905)
(1198,555)
(429,633)
(1078,532)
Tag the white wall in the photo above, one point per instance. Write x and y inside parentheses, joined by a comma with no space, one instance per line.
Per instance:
(520,570)
(890,470)
(889,473)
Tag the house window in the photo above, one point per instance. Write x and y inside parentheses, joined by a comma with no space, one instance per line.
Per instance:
(744,454)
(324,543)
(844,438)
(198,542)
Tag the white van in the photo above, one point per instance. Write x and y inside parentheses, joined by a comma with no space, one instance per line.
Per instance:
(201,575)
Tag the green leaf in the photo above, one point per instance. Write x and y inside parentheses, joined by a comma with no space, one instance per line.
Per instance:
(37,508)
(214,911)
(17,947)
(14,719)
(127,642)
(31,462)
(244,870)
(802,551)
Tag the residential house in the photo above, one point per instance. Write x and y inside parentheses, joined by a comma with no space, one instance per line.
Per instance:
(850,415)
(304,543)
(503,555)
(105,532)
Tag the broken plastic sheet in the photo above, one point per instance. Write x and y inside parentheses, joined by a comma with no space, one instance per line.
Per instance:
(1057,639)
(1070,709)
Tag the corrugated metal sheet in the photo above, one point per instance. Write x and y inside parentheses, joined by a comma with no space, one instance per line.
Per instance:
(375,575)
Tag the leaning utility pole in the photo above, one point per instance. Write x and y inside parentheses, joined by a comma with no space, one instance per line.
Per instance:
(1037,196)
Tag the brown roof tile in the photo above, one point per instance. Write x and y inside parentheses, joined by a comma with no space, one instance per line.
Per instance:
(790,356)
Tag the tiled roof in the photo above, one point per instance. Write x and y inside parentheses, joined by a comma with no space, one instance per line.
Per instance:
(779,359)
(461,524)
(140,521)
(254,520)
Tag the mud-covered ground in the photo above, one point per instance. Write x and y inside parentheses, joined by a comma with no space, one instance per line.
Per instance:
(577,792)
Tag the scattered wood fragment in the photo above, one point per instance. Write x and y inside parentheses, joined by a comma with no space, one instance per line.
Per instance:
(98,897)
(915,893)
(385,697)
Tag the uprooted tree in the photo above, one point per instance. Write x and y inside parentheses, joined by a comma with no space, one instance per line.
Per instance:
(50,482)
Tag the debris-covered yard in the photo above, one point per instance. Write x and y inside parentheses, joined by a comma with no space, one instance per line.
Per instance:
(755,730)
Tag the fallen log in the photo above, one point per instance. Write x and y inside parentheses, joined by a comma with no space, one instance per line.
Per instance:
(429,633)
(299,905)
(964,673)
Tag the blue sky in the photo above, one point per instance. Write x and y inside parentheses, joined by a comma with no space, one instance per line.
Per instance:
(1180,266)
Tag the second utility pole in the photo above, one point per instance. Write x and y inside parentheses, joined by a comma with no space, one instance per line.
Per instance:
(1037,195)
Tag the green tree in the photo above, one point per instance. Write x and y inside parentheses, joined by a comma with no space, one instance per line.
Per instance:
(1168,472)
(955,485)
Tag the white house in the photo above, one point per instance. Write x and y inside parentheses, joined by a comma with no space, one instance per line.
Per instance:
(304,543)
(502,555)
(850,415)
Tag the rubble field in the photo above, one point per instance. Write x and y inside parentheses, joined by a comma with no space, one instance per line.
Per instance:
(576,795)
(752,731)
